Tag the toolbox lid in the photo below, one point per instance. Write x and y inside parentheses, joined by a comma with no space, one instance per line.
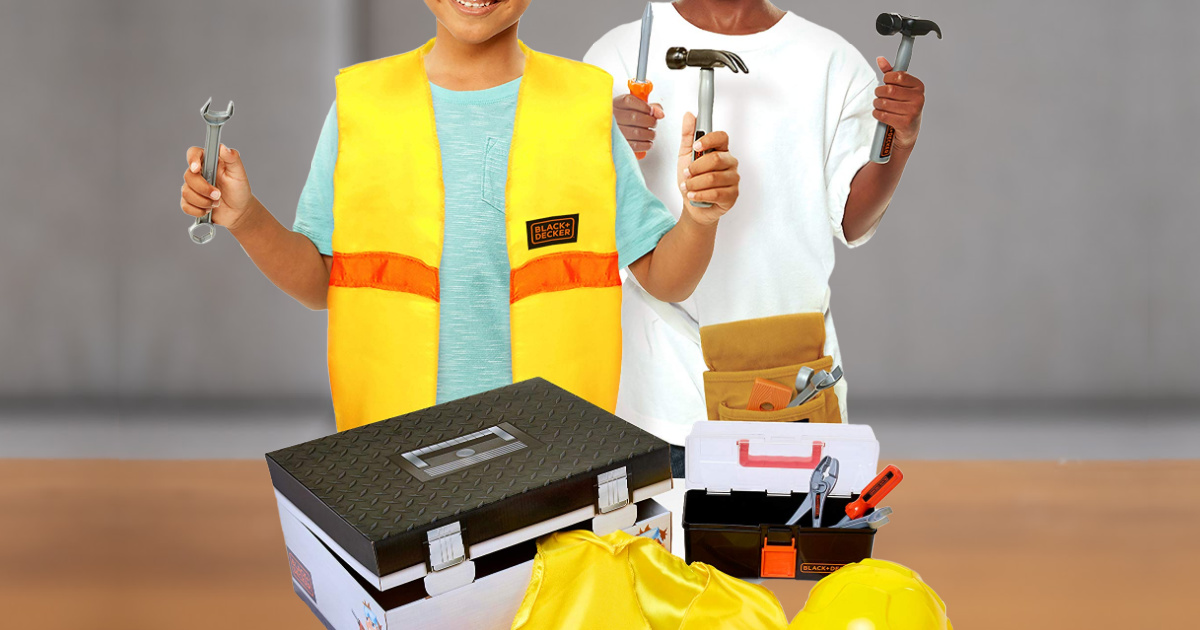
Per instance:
(778,457)
(419,493)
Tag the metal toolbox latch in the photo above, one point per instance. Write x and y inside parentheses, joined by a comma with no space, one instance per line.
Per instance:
(446,547)
(612,490)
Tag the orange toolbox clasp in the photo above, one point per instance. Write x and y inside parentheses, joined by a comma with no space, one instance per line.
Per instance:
(778,561)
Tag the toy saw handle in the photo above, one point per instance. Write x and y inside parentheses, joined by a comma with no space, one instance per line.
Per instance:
(641,89)
(875,491)
(881,149)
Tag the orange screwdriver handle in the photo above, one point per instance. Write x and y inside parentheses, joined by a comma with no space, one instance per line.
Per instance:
(875,491)
(642,91)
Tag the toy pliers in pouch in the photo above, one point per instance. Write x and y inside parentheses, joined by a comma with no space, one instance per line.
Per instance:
(824,478)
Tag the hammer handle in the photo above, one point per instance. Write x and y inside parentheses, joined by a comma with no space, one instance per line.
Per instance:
(881,149)
(704,113)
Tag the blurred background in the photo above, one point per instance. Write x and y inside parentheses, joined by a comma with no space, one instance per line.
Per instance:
(1032,293)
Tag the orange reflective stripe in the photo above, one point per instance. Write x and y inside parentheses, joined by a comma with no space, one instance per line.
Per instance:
(386,271)
(559,272)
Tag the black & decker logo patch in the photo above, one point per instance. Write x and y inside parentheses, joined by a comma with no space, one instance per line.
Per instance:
(819,567)
(553,230)
(301,575)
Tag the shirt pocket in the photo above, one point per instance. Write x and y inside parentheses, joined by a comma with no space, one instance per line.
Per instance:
(495,172)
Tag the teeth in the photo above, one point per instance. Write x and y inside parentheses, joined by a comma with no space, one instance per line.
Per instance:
(476,5)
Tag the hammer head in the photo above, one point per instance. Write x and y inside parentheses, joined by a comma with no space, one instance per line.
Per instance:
(892,23)
(680,57)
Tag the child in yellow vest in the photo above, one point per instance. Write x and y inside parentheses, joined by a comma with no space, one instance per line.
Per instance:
(468,210)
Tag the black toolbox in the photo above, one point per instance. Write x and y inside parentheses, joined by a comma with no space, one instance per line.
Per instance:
(746,479)
(429,519)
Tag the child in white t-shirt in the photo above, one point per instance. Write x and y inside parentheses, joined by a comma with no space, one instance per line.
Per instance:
(804,119)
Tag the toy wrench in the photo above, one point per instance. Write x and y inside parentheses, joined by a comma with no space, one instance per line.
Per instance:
(823,479)
(202,231)
(819,382)
(874,520)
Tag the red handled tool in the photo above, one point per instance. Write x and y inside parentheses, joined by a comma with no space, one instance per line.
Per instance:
(640,87)
(875,491)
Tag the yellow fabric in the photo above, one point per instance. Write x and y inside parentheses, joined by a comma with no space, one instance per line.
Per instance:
(874,594)
(582,581)
(561,163)
(389,198)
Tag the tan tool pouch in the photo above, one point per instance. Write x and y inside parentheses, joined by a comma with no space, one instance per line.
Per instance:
(774,348)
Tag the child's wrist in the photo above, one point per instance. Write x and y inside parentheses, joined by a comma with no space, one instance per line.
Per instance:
(247,218)
(692,223)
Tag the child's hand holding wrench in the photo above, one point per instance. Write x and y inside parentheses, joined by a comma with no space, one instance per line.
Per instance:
(713,178)
(229,200)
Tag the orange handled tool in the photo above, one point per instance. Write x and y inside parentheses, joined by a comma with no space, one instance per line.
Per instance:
(640,86)
(767,395)
(875,491)
(642,91)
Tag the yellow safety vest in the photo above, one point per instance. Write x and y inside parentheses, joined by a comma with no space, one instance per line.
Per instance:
(584,582)
(388,211)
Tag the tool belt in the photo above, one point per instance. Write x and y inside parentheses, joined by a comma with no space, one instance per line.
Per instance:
(773,348)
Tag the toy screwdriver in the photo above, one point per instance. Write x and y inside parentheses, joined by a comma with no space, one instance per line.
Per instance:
(879,488)
(640,87)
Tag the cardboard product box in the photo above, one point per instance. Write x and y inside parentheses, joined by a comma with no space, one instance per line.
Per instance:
(746,479)
(342,599)
(430,520)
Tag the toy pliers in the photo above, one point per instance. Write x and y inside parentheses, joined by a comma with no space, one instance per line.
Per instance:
(639,86)
(824,478)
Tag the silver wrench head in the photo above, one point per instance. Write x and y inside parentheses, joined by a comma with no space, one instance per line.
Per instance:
(202,231)
(216,118)
(802,377)
(827,380)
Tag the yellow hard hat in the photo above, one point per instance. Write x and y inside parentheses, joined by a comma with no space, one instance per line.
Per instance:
(872,595)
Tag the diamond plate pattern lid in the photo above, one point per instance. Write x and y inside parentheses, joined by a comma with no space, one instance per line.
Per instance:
(495,462)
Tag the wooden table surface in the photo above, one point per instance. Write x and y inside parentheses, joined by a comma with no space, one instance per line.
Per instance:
(180,545)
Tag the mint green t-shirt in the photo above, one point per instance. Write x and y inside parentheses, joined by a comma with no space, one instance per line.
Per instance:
(474,131)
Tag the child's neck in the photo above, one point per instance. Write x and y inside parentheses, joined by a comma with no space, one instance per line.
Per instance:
(730,17)
(457,65)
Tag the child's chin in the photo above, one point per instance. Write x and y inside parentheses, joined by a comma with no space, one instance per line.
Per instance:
(473,33)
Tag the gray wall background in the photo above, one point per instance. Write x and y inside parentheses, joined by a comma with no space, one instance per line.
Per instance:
(1040,247)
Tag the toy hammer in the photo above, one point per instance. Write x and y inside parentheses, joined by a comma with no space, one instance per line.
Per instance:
(707,60)
(910,28)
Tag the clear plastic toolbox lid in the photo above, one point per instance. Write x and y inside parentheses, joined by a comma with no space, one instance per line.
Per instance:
(778,457)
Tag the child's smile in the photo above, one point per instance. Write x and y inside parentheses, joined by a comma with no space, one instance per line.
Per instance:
(478,7)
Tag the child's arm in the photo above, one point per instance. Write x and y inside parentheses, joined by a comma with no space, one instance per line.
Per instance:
(899,103)
(673,269)
(286,258)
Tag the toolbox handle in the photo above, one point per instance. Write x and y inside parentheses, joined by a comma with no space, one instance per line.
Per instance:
(776,461)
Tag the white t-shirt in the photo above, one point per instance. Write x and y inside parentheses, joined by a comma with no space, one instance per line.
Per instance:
(800,125)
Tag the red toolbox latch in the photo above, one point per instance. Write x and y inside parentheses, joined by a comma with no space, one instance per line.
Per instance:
(778,561)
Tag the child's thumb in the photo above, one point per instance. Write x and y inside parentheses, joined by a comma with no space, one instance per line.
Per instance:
(232,160)
(687,134)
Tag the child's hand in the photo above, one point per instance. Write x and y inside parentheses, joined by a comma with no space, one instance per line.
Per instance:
(637,121)
(231,197)
(899,103)
(713,178)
